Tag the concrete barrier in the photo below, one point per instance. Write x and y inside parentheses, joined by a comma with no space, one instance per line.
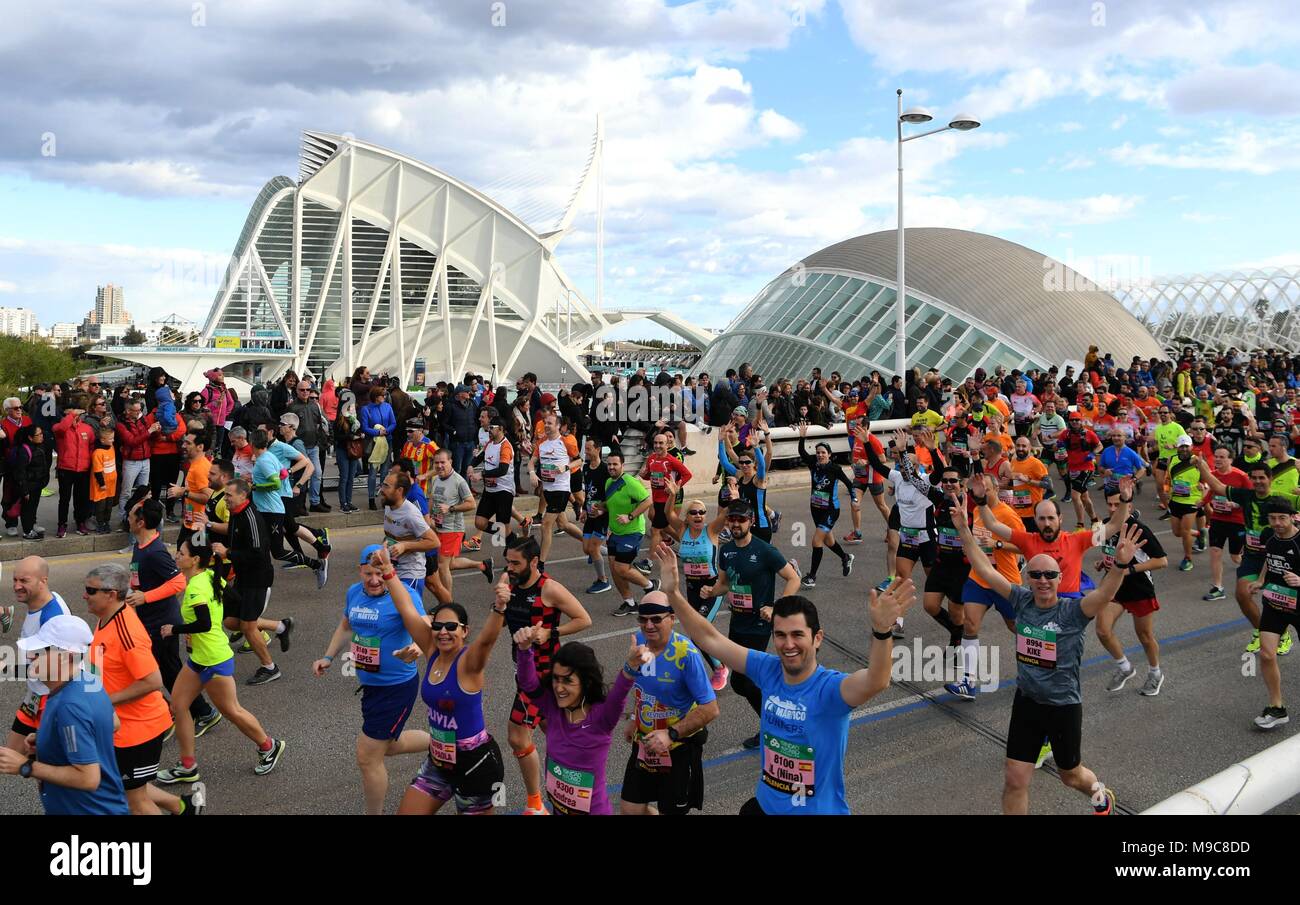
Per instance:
(1254,786)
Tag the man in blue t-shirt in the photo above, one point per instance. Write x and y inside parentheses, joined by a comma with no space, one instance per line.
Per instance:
(674,702)
(804,721)
(72,753)
(383,656)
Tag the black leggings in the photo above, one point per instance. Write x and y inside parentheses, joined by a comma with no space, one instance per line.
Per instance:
(163,472)
(741,684)
(74,487)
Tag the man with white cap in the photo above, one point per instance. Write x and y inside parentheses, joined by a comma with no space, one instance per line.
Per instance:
(72,753)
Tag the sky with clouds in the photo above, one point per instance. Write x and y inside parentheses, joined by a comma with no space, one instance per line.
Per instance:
(1135,138)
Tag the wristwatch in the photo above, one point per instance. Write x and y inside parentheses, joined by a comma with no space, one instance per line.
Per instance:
(25,771)
(672,734)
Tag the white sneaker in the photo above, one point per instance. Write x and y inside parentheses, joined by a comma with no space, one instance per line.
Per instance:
(12,531)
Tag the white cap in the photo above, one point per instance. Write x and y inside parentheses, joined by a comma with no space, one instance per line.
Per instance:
(65,632)
(1184,440)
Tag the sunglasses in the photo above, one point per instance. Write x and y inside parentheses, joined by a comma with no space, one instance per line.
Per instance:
(445,626)
(1049,574)
(696,512)
(91,592)
(950,481)
(650,620)
(745,462)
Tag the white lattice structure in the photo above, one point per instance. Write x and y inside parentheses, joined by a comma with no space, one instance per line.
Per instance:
(378,259)
(1248,309)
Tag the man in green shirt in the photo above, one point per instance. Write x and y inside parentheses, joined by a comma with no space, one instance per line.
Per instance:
(925,416)
(1286,477)
(626,502)
(1167,433)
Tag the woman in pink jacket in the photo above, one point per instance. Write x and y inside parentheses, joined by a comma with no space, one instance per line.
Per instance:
(75,441)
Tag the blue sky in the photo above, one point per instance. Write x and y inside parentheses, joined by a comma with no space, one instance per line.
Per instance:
(1136,138)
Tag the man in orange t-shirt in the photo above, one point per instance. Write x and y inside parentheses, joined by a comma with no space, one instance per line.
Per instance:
(196,490)
(1027,476)
(121,655)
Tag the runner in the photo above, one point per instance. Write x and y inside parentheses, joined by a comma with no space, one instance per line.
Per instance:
(270,478)
(406,532)
(626,502)
(865,478)
(1118,460)
(1136,595)
(804,707)
(419,450)
(824,505)
(1082,447)
(658,466)
(1049,650)
(450,501)
(291,451)
(497,463)
(196,489)
(537,602)
(1048,431)
(71,755)
(748,466)
(698,552)
(210,665)
(32,590)
(1278,586)
(120,655)
(550,468)
(1254,505)
(1029,482)
(1183,489)
(748,569)
(580,716)
(1227,520)
(868,441)
(673,703)
(595,521)
(384,656)
(947,577)
(1167,434)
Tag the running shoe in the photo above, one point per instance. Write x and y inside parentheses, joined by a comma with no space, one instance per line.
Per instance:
(963,689)
(643,566)
(1185,565)
(1151,687)
(794,564)
(626,608)
(1043,754)
(322,573)
(655,584)
(33,535)
(1272,716)
(1108,807)
(536,812)
(719,678)
(1119,678)
(266,760)
(1284,645)
(62,531)
(1164,515)
(247,648)
(179,773)
(599,587)
(472,544)
(6,619)
(1216,593)
(203,724)
(323,542)
(489,570)
(854,537)
(293,565)
(775,522)
(1200,545)
(884,585)
(1253,646)
(284,635)
(848,565)
(195,803)
(752,742)
(12,531)
(808,582)
(263,676)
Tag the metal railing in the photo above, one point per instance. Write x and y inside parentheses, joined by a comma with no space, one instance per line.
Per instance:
(1253,786)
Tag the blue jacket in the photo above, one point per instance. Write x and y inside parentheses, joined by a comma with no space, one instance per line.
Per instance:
(378,413)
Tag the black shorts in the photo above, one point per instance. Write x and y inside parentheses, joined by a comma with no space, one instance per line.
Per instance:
(925,553)
(496,505)
(660,518)
(524,711)
(473,781)
(825,519)
(1078,481)
(1178,510)
(676,790)
(246,603)
(948,578)
(138,765)
(556,501)
(1227,533)
(1273,620)
(1031,722)
(893,523)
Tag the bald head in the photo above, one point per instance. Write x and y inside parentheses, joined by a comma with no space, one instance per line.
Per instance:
(1045,588)
(32,582)
(658,597)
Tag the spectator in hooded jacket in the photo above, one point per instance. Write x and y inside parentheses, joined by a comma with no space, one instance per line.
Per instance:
(13,421)
(135,443)
(75,441)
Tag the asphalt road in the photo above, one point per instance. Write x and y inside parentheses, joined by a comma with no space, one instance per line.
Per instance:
(913,750)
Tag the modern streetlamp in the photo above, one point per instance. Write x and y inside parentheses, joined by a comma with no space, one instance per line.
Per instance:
(915,116)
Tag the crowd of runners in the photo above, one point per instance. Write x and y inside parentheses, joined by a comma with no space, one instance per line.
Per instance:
(975,500)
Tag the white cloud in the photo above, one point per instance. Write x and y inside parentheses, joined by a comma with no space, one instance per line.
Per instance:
(1119,121)
(1263,90)
(1077,162)
(1234,149)
(8,286)
(1068,127)
(774,125)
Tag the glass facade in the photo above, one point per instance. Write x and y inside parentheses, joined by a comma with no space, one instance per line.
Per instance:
(846,323)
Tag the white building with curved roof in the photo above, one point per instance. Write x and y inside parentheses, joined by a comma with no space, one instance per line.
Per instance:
(973,300)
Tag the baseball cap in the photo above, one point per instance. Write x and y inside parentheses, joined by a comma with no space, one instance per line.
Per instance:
(740,410)
(461,388)
(547,399)
(290,419)
(415,424)
(740,509)
(366,553)
(1184,440)
(64,632)
(1075,416)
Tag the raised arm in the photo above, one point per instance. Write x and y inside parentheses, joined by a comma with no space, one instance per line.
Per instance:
(700,630)
(885,609)
(476,656)
(1130,540)
(979,561)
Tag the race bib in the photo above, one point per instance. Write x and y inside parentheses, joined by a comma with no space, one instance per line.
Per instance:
(1253,541)
(861,470)
(1222,504)
(697,567)
(1035,646)
(1107,556)
(1181,488)
(657,479)
(656,763)
(365,652)
(948,537)
(551,471)
(984,537)
(31,705)
(741,598)
(135,576)
(788,767)
(1279,595)
(1021,499)
(569,790)
(1062,454)
(910,536)
(442,747)
(821,499)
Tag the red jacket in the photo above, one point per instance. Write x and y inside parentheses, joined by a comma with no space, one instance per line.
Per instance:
(164,445)
(74,440)
(133,440)
(11,429)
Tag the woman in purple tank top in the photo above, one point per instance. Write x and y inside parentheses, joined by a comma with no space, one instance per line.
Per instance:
(463,761)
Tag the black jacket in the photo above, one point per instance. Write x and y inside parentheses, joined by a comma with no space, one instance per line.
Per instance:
(249,543)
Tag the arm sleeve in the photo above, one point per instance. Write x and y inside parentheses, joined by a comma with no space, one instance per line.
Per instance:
(610,711)
(723,459)
(202,623)
(760,462)
(526,671)
(803,454)
(170,588)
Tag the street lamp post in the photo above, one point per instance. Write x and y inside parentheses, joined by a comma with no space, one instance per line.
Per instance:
(915,116)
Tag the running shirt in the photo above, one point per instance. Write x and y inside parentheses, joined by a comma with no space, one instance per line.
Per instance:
(1049,428)
(77,728)
(455,716)
(1122,462)
(824,496)
(406,523)
(36,690)
(1253,517)
(553,457)
(1184,482)
(1286,479)
(450,491)
(1079,450)
(494,456)
(667,688)
(1006,561)
(1026,485)
(1049,648)
(622,495)
(803,733)
(266,484)
(196,484)
(1167,440)
(209,648)
(1067,550)
(697,555)
(287,454)
(1280,556)
(1023,405)
(1223,509)
(151,567)
(421,454)
(863,473)
(527,608)
(657,469)
(121,655)
(377,631)
(1136,585)
(593,494)
(928,418)
(751,574)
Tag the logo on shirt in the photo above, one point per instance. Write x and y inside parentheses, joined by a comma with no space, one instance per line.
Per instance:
(786,710)
(363,614)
